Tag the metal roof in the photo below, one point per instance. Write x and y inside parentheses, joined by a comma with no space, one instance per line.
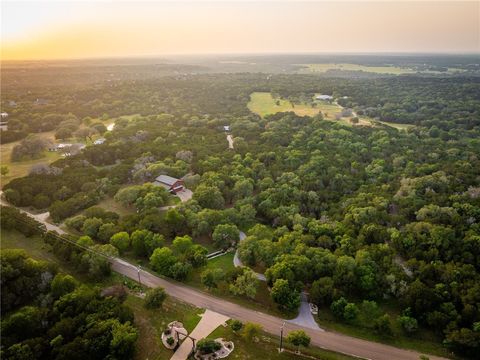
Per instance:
(165,179)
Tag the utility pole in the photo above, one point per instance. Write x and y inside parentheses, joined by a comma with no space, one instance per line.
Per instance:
(281,337)
(139,268)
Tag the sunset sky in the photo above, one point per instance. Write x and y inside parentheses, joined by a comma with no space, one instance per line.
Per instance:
(89,29)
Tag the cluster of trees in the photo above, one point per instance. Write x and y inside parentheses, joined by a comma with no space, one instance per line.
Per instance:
(179,259)
(359,213)
(32,147)
(49,315)
(143,197)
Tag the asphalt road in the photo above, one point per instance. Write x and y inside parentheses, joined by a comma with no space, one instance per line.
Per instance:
(324,339)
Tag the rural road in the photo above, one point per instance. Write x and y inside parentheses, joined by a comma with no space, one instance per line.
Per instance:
(272,324)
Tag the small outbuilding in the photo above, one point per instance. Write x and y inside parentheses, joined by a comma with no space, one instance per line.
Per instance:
(99,141)
(226,128)
(170,183)
(324,97)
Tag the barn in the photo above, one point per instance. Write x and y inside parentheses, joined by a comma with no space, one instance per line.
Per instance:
(170,183)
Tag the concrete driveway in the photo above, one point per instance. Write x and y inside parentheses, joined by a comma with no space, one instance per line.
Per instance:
(209,322)
(305,316)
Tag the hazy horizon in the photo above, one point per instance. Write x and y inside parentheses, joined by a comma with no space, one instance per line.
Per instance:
(48,30)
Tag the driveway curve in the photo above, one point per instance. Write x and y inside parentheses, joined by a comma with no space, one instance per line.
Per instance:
(238,263)
(325,339)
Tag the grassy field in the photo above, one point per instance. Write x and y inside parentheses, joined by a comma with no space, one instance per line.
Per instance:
(262,103)
(267,348)
(21,168)
(321,68)
(151,323)
(110,204)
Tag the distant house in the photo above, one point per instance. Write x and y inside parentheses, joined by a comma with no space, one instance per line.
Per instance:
(99,141)
(67,149)
(324,97)
(170,183)
(4,115)
(226,128)
(40,102)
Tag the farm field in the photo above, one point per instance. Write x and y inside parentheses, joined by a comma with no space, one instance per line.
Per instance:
(322,68)
(263,103)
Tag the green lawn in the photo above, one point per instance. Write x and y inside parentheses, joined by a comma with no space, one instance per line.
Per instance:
(21,168)
(111,204)
(267,348)
(151,323)
(322,68)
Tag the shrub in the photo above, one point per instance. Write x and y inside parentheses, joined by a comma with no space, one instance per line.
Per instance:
(236,325)
(155,298)
(208,346)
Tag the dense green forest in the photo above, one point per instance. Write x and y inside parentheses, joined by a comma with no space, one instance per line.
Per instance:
(355,215)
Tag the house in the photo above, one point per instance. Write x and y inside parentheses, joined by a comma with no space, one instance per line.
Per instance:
(170,183)
(40,102)
(324,97)
(4,115)
(226,128)
(99,141)
(4,121)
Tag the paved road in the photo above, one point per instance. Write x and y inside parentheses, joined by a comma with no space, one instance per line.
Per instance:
(325,339)
(305,316)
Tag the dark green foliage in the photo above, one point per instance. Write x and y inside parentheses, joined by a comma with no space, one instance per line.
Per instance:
(236,325)
(208,346)
(63,321)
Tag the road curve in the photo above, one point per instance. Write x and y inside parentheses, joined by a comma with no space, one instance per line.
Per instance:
(324,339)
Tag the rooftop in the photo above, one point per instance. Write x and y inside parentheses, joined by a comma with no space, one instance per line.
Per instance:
(165,179)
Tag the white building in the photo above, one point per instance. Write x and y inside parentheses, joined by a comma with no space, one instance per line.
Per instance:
(324,97)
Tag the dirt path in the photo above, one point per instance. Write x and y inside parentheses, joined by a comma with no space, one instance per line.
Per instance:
(230,141)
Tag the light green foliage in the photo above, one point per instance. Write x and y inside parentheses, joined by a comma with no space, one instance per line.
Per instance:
(162,260)
(245,284)
(154,298)
(121,241)
(285,296)
(251,330)
(298,338)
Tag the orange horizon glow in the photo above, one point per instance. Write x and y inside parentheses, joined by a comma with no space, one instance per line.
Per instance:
(94,30)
